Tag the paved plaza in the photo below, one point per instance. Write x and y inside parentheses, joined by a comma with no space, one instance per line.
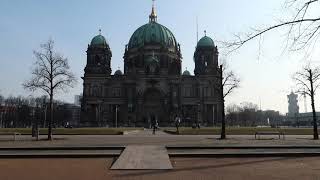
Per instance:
(142,155)
(282,168)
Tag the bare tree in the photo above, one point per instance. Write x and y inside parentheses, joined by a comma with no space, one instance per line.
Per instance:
(308,81)
(229,82)
(1,99)
(303,28)
(50,74)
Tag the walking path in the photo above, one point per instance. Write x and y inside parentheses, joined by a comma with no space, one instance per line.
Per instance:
(147,132)
(143,157)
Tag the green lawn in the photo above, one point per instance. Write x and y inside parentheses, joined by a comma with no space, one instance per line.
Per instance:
(183,131)
(239,131)
(73,131)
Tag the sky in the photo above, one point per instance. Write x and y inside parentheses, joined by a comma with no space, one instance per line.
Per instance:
(264,69)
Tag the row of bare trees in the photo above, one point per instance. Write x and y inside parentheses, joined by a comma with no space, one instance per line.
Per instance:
(26,112)
(248,114)
(21,111)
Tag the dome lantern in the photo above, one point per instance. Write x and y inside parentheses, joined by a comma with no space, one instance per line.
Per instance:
(153,15)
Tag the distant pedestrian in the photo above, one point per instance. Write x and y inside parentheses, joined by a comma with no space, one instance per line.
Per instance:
(177,123)
(154,127)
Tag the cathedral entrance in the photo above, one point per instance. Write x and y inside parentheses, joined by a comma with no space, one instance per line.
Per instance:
(152,107)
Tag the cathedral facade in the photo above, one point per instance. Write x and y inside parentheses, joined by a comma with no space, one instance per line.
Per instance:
(152,86)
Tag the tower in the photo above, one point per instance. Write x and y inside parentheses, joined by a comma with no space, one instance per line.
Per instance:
(97,70)
(293,107)
(206,57)
(98,57)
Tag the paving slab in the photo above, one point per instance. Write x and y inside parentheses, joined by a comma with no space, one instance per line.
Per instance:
(146,157)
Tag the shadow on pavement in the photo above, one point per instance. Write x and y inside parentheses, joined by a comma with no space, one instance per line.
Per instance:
(216,166)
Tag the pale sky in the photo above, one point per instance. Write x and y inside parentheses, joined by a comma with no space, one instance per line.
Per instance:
(265,74)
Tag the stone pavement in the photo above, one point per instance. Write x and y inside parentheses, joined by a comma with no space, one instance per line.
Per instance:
(148,132)
(266,168)
(136,157)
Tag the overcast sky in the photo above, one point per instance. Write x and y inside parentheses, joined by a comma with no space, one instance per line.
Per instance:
(265,73)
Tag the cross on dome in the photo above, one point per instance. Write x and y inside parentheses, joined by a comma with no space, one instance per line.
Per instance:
(153,15)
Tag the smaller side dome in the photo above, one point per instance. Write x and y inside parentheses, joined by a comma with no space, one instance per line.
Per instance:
(98,40)
(205,41)
(186,73)
(118,72)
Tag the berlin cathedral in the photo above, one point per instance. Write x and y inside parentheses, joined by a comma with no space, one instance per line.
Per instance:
(152,86)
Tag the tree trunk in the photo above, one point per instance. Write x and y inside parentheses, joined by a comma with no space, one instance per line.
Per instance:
(315,124)
(223,122)
(314,115)
(51,118)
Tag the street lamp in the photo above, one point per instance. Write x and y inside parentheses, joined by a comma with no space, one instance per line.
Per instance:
(98,118)
(116,116)
(198,119)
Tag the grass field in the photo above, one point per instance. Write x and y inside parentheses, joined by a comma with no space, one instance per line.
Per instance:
(73,131)
(183,131)
(239,131)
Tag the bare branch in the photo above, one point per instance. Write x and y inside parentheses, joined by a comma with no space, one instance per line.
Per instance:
(50,68)
(303,28)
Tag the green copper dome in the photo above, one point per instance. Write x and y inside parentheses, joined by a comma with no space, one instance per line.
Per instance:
(118,72)
(98,40)
(186,73)
(152,33)
(205,42)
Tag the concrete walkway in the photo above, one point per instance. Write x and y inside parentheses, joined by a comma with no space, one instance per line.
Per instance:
(148,132)
(143,158)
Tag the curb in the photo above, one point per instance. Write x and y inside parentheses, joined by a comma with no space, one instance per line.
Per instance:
(244,155)
(246,147)
(64,148)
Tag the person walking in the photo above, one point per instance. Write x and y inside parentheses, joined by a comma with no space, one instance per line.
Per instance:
(154,126)
(177,123)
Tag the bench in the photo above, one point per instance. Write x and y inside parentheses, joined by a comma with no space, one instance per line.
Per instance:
(259,133)
(11,133)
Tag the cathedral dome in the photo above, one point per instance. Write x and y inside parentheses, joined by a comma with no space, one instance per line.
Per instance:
(99,40)
(186,73)
(118,72)
(152,33)
(206,41)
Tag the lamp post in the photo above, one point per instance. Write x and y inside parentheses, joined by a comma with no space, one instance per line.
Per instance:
(99,119)
(45,116)
(223,122)
(116,116)
(198,119)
